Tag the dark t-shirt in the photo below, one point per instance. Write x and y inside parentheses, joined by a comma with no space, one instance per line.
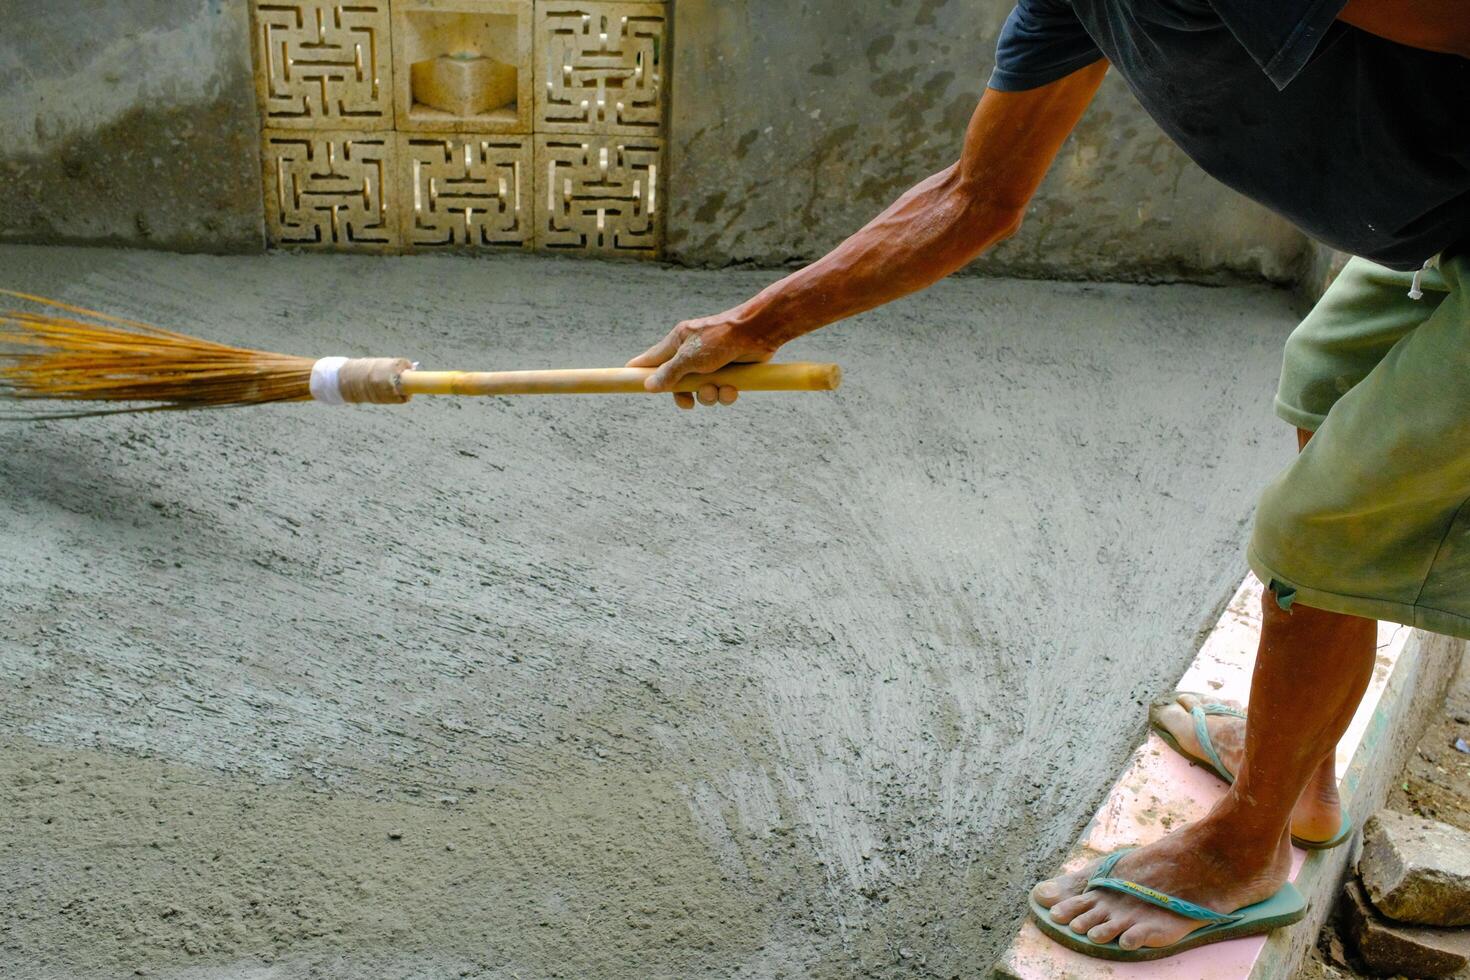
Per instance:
(1363,143)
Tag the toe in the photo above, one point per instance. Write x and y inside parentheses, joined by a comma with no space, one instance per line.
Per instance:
(1110,928)
(1172,718)
(1188,701)
(1173,715)
(1068,908)
(1137,936)
(1048,893)
(1083,922)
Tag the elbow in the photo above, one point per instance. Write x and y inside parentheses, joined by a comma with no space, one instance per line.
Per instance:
(990,217)
(991,222)
(1006,222)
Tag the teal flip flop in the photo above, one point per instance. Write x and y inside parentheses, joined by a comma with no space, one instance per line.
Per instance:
(1282,909)
(1201,714)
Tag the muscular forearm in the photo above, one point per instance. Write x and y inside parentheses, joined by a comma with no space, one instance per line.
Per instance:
(941,224)
(933,230)
(928,233)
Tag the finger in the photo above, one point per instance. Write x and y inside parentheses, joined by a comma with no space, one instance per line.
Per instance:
(684,361)
(728,394)
(684,399)
(659,352)
(709,394)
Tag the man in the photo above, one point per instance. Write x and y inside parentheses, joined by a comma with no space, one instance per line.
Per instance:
(1352,119)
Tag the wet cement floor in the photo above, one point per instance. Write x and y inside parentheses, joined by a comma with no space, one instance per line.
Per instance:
(590,688)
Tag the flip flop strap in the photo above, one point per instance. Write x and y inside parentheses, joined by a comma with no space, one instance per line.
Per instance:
(1177,905)
(1201,713)
(1102,878)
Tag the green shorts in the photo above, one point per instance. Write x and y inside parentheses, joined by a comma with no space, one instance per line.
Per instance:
(1371,519)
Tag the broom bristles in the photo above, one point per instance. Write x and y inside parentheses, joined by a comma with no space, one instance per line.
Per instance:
(93,357)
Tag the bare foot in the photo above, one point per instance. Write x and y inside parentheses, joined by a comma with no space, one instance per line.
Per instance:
(1318,813)
(1203,863)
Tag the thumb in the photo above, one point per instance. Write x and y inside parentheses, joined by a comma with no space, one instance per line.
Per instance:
(685,361)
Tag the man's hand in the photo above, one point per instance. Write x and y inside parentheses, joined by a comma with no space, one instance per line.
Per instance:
(700,347)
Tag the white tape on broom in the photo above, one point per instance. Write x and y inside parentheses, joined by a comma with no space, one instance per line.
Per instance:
(326,384)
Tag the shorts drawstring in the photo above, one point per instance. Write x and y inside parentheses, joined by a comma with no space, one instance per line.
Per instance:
(1414,291)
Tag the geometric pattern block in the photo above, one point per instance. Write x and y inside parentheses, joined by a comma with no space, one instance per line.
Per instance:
(600,67)
(496,29)
(465,191)
(599,194)
(324,64)
(330,190)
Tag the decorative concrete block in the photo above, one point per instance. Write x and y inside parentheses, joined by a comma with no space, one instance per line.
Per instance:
(1387,948)
(465,66)
(463,124)
(599,194)
(323,64)
(465,191)
(1417,870)
(600,67)
(332,190)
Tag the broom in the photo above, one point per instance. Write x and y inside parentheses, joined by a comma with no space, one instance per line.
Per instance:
(87,356)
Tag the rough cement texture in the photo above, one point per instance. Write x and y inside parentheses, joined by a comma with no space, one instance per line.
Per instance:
(793,124)
(815,686)
(1389,949)
(1417,870)
(130,123)
(1436,781)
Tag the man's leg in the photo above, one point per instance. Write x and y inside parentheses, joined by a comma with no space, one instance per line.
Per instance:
(1366,522)
(1311,670)
(1318,812)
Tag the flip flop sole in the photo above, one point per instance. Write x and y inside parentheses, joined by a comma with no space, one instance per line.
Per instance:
(1282,909)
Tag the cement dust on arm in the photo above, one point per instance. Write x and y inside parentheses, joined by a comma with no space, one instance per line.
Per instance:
(931,231)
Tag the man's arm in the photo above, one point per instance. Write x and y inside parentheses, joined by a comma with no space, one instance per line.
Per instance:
(1434,25)
(933,230)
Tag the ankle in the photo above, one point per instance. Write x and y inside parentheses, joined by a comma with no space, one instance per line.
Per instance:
(1322,792)
(1324,780)
(1243,838)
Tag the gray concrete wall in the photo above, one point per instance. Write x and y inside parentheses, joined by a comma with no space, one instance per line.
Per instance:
(794,123)
(129,123)
(136,124)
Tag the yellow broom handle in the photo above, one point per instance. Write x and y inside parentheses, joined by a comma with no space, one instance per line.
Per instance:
(791,376)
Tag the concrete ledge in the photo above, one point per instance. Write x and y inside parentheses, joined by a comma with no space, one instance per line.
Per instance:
(1158,790)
